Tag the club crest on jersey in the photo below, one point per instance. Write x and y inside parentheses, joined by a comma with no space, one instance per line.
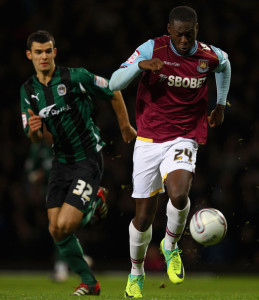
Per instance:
(203,65)
(133,57)
(62,90)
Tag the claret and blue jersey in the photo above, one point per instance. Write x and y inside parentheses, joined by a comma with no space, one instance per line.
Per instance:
(173,102)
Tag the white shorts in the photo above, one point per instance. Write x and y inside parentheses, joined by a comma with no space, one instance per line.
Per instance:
(153,161)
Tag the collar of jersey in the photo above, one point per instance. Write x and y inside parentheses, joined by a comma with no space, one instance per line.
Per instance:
(192,51)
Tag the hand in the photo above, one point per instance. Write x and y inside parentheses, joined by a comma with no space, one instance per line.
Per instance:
(155,65)
(35,124)
(216,117)
(128,134)
(127,131)
(34,121)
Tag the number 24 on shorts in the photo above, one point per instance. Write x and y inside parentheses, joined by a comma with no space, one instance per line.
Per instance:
(185,152)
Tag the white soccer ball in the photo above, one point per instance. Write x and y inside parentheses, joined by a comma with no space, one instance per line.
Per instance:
(208,226)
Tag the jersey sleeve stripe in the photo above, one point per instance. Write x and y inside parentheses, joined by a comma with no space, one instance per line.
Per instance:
(160,47)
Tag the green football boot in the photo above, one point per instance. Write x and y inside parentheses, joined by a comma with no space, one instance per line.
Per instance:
(134,286)
(175,269)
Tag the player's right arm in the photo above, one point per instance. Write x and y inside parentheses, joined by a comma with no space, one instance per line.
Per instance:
(140,60)
(35,127)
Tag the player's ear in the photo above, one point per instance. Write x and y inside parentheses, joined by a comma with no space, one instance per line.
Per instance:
(28,54)
(168,27)
(197,27)
(55,52)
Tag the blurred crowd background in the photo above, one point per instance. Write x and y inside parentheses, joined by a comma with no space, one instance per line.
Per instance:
(100,35)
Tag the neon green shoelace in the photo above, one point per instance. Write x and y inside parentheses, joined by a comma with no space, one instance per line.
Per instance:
(172,255)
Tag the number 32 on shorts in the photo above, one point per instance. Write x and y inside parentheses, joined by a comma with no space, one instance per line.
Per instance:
(83,189)
(180,152)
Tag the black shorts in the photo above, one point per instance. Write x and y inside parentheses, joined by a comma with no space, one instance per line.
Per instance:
(76,184)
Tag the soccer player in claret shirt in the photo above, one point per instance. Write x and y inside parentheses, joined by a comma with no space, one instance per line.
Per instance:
(171,117)
(57,103)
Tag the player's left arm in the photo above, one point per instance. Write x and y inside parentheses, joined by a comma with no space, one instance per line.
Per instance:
(222,76)
(98,86)
(127,131)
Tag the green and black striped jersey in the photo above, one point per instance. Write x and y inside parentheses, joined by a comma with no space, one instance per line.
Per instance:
(65,106)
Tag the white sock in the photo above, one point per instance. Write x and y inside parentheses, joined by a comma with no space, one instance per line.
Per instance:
(176,220)
(139,242)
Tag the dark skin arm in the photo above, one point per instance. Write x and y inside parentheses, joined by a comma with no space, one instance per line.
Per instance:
(216,117)
(155,65)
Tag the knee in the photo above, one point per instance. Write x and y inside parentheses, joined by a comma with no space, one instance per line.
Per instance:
(145,213)
(65,226)
(60,230)
(143,221)
(179,199)
(55,232)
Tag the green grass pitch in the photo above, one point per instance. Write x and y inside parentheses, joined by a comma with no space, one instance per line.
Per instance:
(28,286)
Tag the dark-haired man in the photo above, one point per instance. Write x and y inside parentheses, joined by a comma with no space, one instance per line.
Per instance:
(57,103)
(171,117)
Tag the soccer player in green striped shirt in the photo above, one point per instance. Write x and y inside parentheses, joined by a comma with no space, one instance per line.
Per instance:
(56,104)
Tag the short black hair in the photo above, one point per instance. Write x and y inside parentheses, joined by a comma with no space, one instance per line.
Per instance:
(40,36)
(183,13)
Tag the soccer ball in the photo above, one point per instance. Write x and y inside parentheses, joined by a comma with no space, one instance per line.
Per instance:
(208,226)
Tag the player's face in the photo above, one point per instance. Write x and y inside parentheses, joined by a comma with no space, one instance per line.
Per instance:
(183,35)
(42,56)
